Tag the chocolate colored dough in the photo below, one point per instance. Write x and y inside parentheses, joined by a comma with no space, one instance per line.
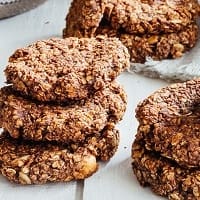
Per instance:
(66,69)
(164,176)
(33,120)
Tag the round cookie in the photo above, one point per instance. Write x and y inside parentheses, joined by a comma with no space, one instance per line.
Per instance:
(177,142)
(157,47)
(169,104)
(62,69)
(152,16)
(164,176)
(38,121)
(130,16)
(169,122)
(29,163)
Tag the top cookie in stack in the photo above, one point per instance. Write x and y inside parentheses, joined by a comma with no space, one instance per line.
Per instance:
(61,107)
(62,70)
(156,29)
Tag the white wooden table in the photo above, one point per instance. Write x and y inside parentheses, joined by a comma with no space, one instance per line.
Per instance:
(114,179)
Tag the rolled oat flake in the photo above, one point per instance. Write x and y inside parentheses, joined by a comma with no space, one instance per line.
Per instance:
(10,8)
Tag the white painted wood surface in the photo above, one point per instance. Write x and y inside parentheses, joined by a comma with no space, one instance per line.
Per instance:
(114,179)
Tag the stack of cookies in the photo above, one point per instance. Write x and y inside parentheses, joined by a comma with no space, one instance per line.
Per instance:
(167,146)
(148,28)
(60,109)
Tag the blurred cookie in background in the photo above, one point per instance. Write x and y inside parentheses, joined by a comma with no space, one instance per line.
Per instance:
(10,8)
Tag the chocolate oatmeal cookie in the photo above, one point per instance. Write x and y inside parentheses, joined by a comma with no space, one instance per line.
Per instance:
(170,104)
(178,142)
(164,176)
(130,16)
(62,69)
(29,163)
(33,120)
(157,47)
(103,145)
(169,122)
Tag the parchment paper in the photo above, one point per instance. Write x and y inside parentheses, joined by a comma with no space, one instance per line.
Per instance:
(181,69)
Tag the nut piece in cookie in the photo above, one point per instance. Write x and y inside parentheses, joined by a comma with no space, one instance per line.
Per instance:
(62,69)
(169,122)
(33,120)
(164,176)
(28,163)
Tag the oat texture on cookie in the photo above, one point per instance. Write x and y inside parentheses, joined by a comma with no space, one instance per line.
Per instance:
(66,69)
(37,121)
(156,29)
(166,151)
(60,109)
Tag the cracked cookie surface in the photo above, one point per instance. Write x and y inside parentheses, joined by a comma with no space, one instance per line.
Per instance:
(66,69)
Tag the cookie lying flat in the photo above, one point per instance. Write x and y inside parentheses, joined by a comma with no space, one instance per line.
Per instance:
(164,177)
(28,163)
(34,120)
(169,122)
(25,162)
(178,142)
(157,47)
(169,104)
(131,16)
(59,70)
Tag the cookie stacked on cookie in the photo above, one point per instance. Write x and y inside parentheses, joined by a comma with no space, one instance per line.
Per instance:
(60,109)
(166,149)
(156,29)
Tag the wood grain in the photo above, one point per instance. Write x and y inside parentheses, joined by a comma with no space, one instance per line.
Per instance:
(115,180)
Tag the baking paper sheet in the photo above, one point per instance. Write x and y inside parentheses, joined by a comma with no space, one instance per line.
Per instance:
(181,69)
